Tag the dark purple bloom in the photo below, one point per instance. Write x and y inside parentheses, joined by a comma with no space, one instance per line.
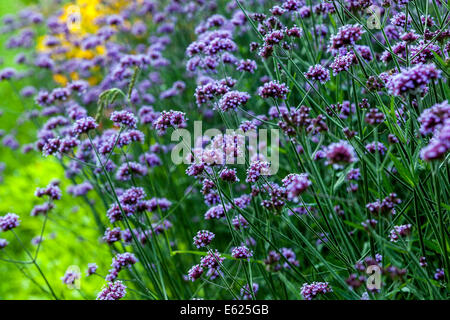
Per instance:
(9,221)
(92,269)
(124,118)
(112,235)
(112,291)
(340,153)
(400,231)
(195,272)
(203,238)
(232,100)
(310,291)
(241,253)
(295,185)
(84,125)
(318,73)
(273,89)
(414,80)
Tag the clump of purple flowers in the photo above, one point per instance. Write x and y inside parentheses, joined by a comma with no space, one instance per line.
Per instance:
(9,221)
(84,125)
(311,291)
(340,153)
(295,185)
(400,232)
(232,100)
(124,118)
(167,119)
(318,73)
(414,80)
(203,238)
(241,253)
(112,291)
(273,89)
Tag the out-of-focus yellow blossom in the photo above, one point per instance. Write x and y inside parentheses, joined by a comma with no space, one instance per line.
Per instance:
(80,17)
(59,78)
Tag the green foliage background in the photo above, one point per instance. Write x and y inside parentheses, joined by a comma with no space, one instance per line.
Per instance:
(70,237)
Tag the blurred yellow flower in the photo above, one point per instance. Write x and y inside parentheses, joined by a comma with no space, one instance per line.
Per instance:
(81,17)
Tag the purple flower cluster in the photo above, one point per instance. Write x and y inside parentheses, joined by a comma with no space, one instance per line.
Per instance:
(346,35)
(414,80)
(385,206)
(124,118)
(119,262)
(3,243)
(340,153)
(84,125)
(257,169)
(70,277)
(273,89)
(318,73)
(203,238)
(233,100)
(167,119)
(400,232)
(312,290)
(52,191)
(248,294)
(241,253)
(112,291)
(295,185)
(9,221)
(80,189)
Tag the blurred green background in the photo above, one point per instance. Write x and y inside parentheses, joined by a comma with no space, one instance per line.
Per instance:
(70,238)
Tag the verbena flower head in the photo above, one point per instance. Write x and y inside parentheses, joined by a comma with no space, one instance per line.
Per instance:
(122,260)
(248,294)
(80,189)
(128,169)
(273,89)
(342,62)
(124,118)
(84,125)
(232,100)
(92,269)
(310,291)
(112,235)
(167,119)
(212,260)
(41,209)
(257,168)
(432,119)
(7,74)
(340,153)
(376,146)
(9,221)
(414,80)
(318,73)
(229,175)
(239,222)
(439,274)
(295,185)
(112,291)
(195,272)
(70,277)
(52,191)
(346,35)
(3,243)
(440,143)
(400,232)
(241,253)
(247,66)
(132,196)
(203,238)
